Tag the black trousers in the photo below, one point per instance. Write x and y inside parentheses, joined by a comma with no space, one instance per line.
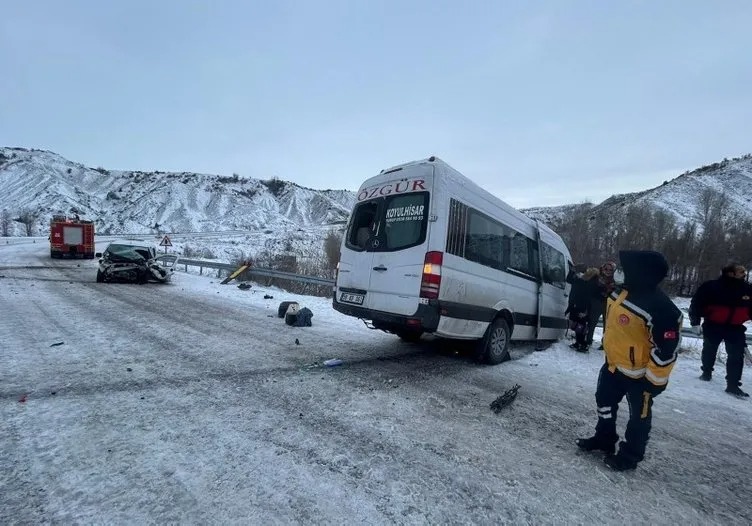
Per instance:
(612,388)
(733,337)
(578,322)
(596,310)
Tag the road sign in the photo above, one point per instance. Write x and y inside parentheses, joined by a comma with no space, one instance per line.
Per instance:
(165,242)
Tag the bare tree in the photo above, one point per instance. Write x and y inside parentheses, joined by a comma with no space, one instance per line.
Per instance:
(713,206)
(29,219)
(696,251)
(714,249)
(5,220)
(740,240)
(583,233)
(681,253)
(332,243)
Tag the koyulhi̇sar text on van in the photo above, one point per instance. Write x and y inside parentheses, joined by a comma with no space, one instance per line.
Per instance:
(426,250)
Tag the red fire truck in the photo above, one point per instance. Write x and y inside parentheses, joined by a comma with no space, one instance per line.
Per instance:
(71,237)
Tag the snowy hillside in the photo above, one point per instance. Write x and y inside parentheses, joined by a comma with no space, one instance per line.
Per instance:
(683,196)
(551,214)
(141,202)
(234,216)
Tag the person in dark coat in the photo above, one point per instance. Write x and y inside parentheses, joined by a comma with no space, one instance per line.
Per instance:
(641,342)
(725,304)
(584,286)
(597,308)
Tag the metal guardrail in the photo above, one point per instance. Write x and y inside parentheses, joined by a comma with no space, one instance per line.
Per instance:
(686,333)
(257,271)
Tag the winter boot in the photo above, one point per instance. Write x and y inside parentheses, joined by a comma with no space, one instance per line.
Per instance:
(619,462)
(582,348)
(596,443)
(705,377)
(736,391)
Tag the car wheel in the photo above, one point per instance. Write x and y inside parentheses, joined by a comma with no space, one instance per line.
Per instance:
(494,347)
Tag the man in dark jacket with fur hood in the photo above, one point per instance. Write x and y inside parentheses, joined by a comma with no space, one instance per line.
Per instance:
(641,342)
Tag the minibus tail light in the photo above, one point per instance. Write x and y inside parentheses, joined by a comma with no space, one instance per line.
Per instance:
(431,280)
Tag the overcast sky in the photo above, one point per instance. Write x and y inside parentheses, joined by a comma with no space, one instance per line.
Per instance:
(541,102)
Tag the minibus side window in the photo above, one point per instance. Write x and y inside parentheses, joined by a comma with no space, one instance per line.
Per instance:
(554,266)
(534,258)
(457,228)
(521,256)
(484,241)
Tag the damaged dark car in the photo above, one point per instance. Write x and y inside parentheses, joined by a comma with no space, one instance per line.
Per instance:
(132,262)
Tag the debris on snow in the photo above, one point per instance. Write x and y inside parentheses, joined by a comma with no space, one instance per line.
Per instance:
(244,286)
(505,399)
(57,344)
(284,307)
(333,362)
(303,317)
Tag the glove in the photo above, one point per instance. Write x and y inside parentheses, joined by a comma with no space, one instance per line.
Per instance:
(696,330)
(654,390)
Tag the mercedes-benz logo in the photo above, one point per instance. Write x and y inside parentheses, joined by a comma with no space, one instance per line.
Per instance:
(375,242)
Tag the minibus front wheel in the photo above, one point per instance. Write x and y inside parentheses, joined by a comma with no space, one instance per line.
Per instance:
(494,346)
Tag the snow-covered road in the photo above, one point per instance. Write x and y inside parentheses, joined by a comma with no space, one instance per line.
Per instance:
(191,403)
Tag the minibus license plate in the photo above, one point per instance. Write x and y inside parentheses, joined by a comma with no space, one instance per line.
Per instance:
(351,298)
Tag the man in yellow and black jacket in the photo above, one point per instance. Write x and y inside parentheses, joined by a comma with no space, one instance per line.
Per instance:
(641,344)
